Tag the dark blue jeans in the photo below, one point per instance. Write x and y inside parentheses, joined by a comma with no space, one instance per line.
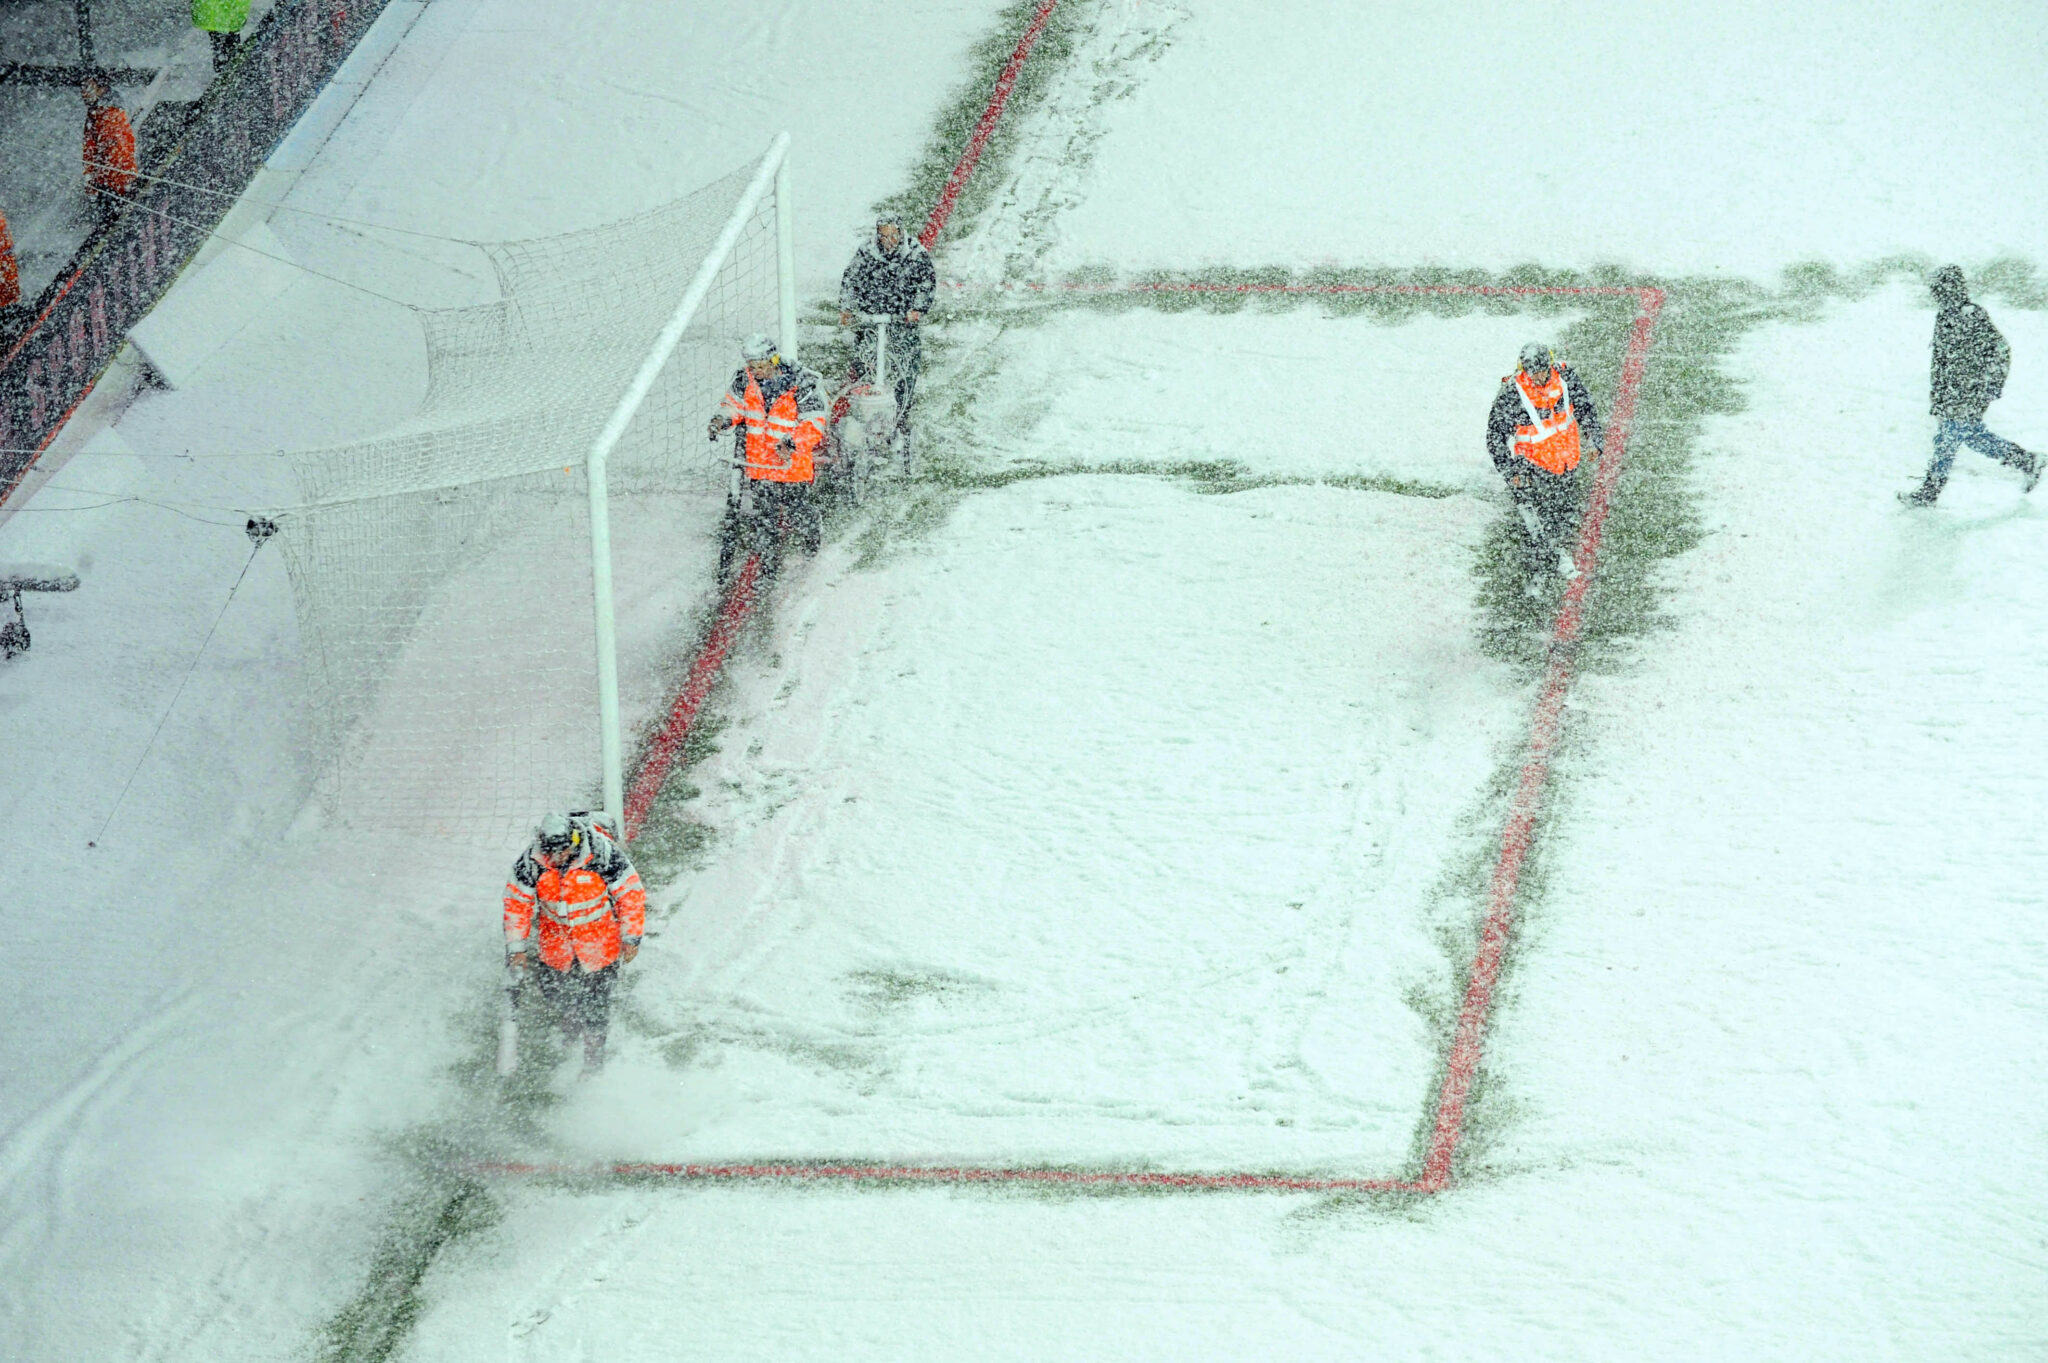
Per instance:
(1958,431)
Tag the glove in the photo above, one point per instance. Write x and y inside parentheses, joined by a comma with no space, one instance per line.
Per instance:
(786,446)
(628,950)
(718,423)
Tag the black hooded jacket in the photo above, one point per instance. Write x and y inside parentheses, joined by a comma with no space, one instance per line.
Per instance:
(1970,358)
(899,282)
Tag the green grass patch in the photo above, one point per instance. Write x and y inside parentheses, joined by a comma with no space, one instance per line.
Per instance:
(376,1321)
(962,111)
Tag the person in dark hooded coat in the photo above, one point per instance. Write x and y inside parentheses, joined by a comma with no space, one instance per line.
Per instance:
(890,275)
(1971,361)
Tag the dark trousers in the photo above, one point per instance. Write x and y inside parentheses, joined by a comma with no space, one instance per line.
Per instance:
(906,362)
(1554,498)
(224,45)
(766,513)
(1955,432)
(581,998)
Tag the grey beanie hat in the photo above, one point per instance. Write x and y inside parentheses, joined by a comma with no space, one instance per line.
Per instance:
(1948,283)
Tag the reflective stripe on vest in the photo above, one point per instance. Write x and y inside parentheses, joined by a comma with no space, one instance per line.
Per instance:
(574,913)
(766,427)
(1550,441)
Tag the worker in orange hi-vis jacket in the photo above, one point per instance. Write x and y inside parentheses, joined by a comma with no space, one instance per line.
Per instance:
(574,913)
(10,285)
(110,166)
(1540,420)
(779,411)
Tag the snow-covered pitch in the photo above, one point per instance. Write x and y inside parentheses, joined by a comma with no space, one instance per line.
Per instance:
(1124,793)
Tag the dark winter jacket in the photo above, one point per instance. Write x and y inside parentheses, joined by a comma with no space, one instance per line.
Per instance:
(1970,360)
(1507,414)
(899,282)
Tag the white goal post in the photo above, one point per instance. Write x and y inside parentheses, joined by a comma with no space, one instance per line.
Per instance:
(774,172)
(454,681)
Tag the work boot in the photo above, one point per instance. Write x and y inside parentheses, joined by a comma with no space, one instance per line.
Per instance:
(593,1054)
(2033,471)
(1919,496)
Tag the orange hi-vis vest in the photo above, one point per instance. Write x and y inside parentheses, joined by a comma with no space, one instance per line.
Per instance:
(10,272)
(582,910)
(109,149)
(767,425)
(1549,434)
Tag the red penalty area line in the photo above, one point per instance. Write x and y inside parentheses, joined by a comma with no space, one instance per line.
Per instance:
(1205,286)
(963,169)
(1447,1128)
(808,1172)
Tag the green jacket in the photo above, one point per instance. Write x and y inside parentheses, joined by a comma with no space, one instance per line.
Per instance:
(220,16)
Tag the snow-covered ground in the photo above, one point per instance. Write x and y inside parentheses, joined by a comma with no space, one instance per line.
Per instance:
(1170,918)
(1229,388)
(217,1025)
(1733,139)
(1770,1053)
(1105,817)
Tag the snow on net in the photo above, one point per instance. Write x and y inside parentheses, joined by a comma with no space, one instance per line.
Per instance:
(442,572)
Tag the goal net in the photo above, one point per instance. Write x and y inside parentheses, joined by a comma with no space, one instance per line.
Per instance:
(453,615)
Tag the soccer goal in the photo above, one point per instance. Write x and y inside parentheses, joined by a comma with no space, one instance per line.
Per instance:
(454,578)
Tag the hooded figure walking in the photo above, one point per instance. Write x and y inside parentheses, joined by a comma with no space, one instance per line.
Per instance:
(1971,361)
